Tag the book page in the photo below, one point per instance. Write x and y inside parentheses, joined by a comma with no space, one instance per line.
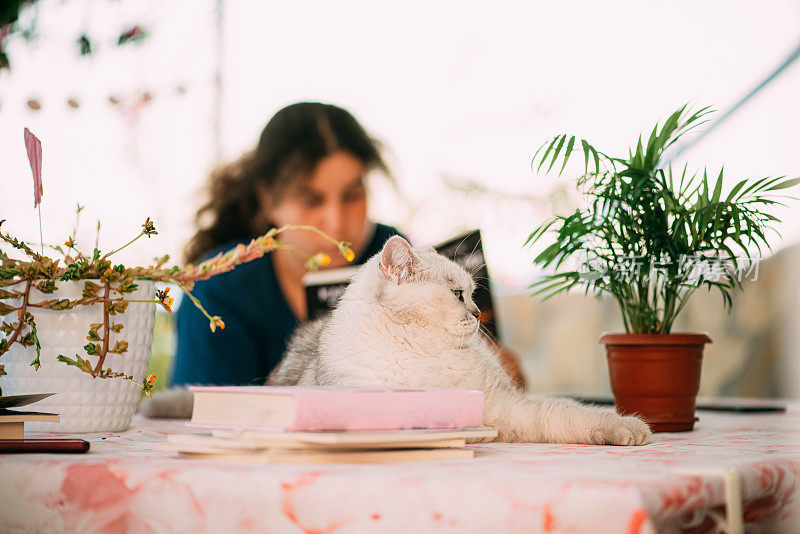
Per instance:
(302,457)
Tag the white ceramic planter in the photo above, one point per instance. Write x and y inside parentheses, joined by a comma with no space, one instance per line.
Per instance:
(85,404)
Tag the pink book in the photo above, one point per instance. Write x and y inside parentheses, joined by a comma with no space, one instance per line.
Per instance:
(291,409)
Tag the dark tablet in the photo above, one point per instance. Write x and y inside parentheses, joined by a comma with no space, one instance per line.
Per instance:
(43,445)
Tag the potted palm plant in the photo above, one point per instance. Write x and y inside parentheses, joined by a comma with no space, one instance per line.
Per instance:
(650,237)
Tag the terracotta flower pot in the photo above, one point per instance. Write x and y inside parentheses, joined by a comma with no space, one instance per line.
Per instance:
(656,376)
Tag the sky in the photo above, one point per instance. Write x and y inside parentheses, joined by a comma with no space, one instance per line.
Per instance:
(461,93)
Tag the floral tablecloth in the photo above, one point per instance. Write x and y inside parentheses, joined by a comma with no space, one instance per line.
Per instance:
(124,484)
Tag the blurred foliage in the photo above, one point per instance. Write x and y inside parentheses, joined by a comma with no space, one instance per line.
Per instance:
(163,350)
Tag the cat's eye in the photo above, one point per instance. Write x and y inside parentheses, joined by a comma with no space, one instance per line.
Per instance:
(459,294)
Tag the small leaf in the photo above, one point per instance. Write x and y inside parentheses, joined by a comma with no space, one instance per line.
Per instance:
(567,153)
(586,150)
(555,154)
(128,287)
(596,160)
(544,157)
(68,361)
(91,287)
(27,340)
(63,304)
(718,188)
(783,185)
(735,190)
(47,286)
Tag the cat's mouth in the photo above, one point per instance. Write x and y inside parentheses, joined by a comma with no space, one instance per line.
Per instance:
(465,330)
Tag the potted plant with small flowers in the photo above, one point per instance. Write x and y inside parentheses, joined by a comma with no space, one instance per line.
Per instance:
(81,325)
(649,237)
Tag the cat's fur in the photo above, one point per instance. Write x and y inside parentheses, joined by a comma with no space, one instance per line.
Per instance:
(407,319)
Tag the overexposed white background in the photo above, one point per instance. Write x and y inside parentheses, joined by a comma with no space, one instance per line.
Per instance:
(462,93)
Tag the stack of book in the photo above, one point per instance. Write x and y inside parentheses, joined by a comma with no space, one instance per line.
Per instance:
(278,424)
(12,422)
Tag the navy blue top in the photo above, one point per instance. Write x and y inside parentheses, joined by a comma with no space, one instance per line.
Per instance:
(258,322)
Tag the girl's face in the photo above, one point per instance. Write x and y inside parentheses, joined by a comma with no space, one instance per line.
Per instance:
(333,199)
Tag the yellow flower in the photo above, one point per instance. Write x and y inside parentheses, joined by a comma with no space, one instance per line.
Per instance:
(323,259)
(317,260)
(165,299)
(346,251)
(217,321)
(152,378)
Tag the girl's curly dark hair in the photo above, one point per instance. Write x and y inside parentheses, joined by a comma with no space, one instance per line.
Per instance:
(292,143)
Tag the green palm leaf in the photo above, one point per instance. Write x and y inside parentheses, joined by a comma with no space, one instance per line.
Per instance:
(638,209)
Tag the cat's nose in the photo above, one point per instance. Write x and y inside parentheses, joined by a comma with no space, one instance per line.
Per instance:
(474,311)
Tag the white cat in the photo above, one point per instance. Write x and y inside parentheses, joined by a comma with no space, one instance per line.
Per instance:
(408,319)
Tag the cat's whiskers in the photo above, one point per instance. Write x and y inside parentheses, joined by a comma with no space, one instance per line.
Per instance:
(455,254)
(472,253)
(477,285)
(493,341)
(451,340)
(476,269)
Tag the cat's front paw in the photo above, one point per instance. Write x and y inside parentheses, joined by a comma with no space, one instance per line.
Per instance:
(614,429)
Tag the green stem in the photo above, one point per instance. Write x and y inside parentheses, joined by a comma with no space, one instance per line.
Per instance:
(669,308)
(20,314)
(94,301)
(307,227)
(290,248)
(624,315)
(192,298)
(41,237)
(106,337)
(683,302)
(75,228)
(123,246)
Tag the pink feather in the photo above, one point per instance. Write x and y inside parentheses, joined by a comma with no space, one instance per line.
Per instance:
(34,148)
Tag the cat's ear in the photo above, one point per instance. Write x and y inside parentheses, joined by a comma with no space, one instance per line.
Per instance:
(397,259)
